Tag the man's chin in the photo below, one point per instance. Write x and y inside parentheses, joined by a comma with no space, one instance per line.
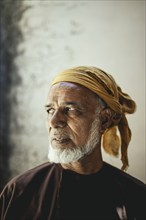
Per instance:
(65,156)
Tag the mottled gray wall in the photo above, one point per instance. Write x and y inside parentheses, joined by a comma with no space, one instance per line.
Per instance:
(61,34)
(10,37)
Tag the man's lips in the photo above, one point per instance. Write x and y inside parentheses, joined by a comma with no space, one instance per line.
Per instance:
(61,140)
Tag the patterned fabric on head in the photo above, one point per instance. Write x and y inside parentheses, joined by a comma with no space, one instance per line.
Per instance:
(104,85)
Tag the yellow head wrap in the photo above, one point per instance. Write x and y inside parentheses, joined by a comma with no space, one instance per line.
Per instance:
(104,85)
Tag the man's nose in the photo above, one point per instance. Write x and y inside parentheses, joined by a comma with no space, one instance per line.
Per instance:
(57,120)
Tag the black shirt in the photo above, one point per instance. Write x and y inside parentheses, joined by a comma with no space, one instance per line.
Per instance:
(49,192)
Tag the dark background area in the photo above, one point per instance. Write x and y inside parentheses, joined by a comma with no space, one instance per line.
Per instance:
(10,35)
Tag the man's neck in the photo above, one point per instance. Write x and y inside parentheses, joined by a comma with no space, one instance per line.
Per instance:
(88,165)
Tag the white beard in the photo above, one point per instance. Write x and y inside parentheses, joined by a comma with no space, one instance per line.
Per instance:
(71,155)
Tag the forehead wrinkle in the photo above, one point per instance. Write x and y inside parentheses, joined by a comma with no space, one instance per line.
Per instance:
(65,96)
(64,93)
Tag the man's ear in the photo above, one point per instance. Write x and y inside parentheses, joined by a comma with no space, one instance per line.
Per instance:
(106,119)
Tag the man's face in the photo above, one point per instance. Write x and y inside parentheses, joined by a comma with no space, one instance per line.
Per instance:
(71,110)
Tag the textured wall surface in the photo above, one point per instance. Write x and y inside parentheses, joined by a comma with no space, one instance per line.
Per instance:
(61,34)
(10,37)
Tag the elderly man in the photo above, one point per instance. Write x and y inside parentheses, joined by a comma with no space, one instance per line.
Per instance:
(85,107)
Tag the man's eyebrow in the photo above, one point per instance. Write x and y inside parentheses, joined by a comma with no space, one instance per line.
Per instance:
(78,104)
(48,105)
(72,103)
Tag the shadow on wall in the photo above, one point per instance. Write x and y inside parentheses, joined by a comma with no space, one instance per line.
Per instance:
(10,36)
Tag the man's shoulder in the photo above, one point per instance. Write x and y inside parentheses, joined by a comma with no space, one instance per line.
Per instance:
(124,178)
(29,190)
(34,176)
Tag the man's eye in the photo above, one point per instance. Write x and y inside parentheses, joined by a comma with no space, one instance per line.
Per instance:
(67,109)
(50,111)
(71,110)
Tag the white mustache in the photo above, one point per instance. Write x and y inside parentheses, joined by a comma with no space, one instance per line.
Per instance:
(59,136)
(68,155)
